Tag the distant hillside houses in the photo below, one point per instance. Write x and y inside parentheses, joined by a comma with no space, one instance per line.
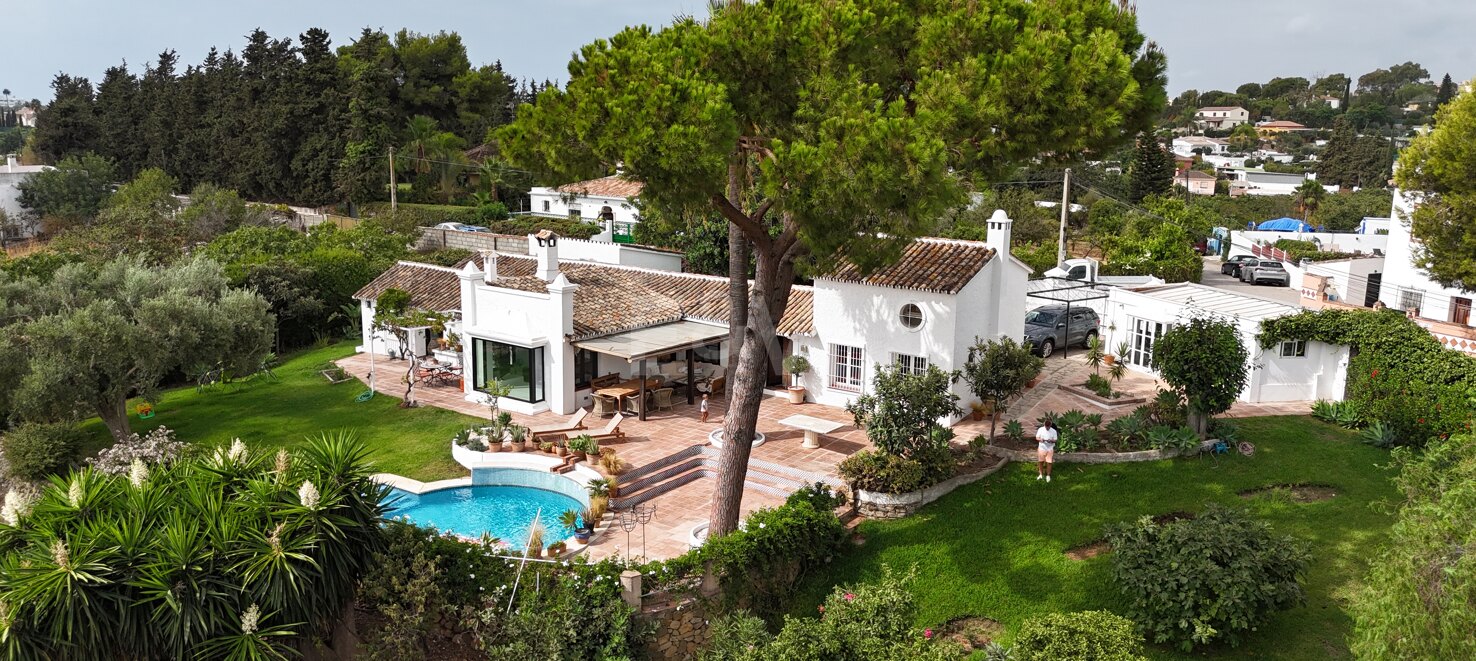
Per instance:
(1221,117)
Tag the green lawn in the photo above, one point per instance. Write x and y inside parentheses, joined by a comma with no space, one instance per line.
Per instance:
(301,403)
(995,548)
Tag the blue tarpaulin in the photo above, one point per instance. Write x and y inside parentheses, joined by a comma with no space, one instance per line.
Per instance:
(1285,225)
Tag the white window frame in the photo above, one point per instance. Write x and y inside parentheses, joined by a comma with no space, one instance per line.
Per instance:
(1411,296)
(1293,349)
(1142,335)
(910,364)
(902,316)
(545,206)
(847,367)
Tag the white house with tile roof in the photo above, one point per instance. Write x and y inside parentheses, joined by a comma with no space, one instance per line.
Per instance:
(550,326)
(607,201)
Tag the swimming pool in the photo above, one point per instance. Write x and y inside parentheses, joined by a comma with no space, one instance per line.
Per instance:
(505,512)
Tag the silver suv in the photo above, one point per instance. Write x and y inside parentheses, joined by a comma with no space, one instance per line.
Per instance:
(1265,271)
(1048,327)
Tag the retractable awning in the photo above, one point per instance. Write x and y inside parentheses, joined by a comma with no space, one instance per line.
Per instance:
(656,340)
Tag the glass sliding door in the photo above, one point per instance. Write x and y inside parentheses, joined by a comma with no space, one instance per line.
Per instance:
(520,369)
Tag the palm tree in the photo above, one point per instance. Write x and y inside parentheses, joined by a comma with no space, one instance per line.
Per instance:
(1308,197)
(490,176)
(447,149)
(419,131)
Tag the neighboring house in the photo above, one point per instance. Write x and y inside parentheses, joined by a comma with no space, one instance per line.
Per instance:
(1332,101)
(1272,155)
(26,116)
(1221,117)
(1289,372)
(1278,126)
(1197,182)
(1444,311)
(1351,282)
(1079,283)
(1419,103)
(1191,144)
(549,326)
(1260,182)
(11,174)
(607,201)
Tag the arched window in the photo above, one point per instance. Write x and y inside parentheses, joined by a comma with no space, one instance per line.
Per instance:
(911,316)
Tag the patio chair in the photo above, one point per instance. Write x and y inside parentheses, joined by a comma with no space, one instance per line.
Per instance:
(716,387)
(574,422)
(605,406)
(663,399)
(635,404)
(609,434)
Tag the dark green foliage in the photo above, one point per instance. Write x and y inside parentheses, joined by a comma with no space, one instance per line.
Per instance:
(1100,385)
(1418,600)
(1152,170)
(865,622)
(998,370)
(74,192)
(1399,374)
(425,215)
(703,239)
(1435,171)
(1204,359)
(901,410)
(34,451)
(1350,161)
(67,126)
(171,560)
(882,472)
(1212,578)
(1446,92)
(1083,636)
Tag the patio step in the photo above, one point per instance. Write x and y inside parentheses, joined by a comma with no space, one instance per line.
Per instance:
(698,462)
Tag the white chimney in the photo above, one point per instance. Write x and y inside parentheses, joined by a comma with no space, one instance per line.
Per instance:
(998,235)
(548,255)
(489,266)
(10,162)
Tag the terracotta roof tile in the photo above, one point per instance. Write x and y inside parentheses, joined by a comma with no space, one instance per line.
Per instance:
(936,265)
(430,287)
(611,186)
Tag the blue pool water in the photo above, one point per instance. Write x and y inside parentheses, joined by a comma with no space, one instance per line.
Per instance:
(501,511)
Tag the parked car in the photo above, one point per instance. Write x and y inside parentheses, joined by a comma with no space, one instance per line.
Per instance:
(1231,267)
(1048,327)
(460,227)
(1265,270)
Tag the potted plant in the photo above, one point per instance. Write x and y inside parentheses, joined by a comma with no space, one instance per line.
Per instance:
(145,410)
(600,487)
(598,505)
(561,448)
(797,366)
(570,519)
(546,447)
(1122,351)
(610,462)
(580,445)
(518,437)
(586,527)
(557,549)
(981,409)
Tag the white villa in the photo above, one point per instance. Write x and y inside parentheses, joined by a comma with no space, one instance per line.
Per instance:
(552,327)
(1292,371)
(607,201)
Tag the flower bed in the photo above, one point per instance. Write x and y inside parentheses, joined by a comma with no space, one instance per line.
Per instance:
(1100,401)
(877,505)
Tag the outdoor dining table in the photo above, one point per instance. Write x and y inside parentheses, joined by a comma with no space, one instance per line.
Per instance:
(620,392)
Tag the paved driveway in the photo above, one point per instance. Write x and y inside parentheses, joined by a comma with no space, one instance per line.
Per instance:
(1213,278)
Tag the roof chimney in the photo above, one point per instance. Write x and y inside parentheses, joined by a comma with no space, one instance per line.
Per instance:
(10,162)
(998,235)
(548,255)
(489,266)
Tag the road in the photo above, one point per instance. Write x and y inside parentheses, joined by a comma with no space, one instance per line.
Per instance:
(1213,278)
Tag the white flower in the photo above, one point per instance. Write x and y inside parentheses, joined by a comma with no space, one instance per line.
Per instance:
(284,461)
(308,494)
(60,556)
(17,505)
(138,474)
(74,493)
(761,525)
(249,619)
(237,451)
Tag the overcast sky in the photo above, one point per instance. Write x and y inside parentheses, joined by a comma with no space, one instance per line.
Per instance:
(1211,44)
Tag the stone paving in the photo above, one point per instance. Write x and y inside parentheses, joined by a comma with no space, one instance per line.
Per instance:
(668,432)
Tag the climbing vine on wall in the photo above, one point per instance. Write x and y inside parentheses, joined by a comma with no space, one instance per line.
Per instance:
(1399,374)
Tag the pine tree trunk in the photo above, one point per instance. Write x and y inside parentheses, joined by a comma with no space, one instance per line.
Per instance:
(737,278)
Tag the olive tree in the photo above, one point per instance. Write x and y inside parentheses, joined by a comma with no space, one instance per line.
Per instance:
(96,334)
(393,314)
(837,130)
(1204,359)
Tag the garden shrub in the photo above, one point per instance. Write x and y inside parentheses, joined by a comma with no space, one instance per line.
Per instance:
(877,471)
(156,447)
(36,450)
(1080,636)
(1419,598)
(1099,385)
(490,216)
(1203,580)
(759,565)
(230,538)
(1130,432)
(859,622)
(901,413)
(819,495)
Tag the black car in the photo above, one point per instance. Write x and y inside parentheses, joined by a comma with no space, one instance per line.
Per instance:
(1048,327)
(1231,267)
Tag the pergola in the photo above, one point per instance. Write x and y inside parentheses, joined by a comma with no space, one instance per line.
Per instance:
(642,343)
(1068,291)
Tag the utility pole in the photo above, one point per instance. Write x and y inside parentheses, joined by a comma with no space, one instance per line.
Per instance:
(1065,208)
(394,187)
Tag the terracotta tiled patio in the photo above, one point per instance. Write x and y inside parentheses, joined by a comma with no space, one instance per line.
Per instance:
(666,433)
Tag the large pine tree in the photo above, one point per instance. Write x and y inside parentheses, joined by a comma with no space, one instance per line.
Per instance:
(1152,170)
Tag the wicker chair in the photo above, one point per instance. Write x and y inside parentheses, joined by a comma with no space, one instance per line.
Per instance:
(663,399)
(606,406)
(635,404)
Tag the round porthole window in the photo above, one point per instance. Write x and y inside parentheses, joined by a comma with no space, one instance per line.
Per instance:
(911,316)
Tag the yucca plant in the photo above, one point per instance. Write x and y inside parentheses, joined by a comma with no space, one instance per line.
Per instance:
(166,560)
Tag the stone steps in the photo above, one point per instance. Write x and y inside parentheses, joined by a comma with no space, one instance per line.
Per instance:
(700,461)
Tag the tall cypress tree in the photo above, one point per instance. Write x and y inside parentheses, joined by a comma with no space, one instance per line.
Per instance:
(319,118)
(67,125)
(119,119)
(159,100)
(1336,165)
(1152,170)
(1446,92)
(362,173)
